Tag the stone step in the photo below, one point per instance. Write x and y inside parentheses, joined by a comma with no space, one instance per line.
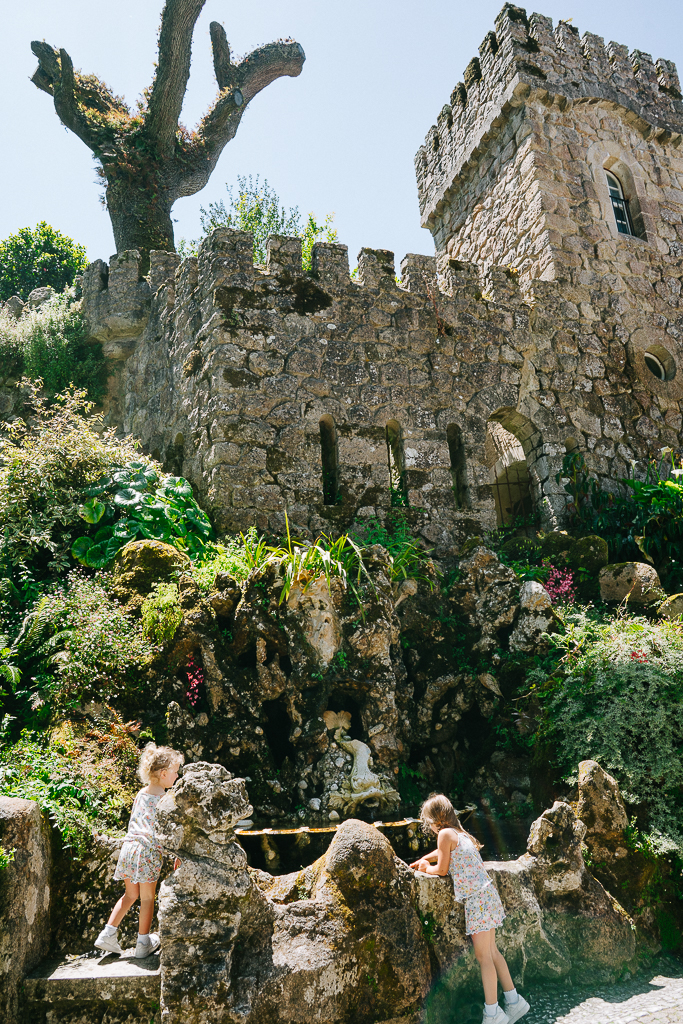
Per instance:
(89,989)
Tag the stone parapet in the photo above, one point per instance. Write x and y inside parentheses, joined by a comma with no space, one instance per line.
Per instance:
(273,389)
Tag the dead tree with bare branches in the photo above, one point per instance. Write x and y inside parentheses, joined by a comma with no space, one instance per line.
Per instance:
(146,157)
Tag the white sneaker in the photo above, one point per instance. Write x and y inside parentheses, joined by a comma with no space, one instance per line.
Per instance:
(109,943)
(518,1009)
(143,949)
(500,1018)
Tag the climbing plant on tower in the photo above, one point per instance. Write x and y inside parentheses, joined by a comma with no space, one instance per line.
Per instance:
(146,157)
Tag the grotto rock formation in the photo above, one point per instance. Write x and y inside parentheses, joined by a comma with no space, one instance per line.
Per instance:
(357,935)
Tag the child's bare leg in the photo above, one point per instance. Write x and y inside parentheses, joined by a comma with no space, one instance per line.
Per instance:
(124,904)
(500,964)
(146,906)
(483,943)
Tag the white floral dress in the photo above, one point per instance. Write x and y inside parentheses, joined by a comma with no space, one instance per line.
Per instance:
(474,888)
(141,853)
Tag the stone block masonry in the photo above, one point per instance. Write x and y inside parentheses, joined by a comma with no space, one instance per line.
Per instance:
(274,390)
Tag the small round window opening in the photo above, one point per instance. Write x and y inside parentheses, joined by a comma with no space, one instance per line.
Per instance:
(660,363)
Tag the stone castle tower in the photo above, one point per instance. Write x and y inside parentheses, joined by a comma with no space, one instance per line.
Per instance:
(549,320)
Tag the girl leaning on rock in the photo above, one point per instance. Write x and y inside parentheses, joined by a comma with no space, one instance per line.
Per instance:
(139,864)
(457,855)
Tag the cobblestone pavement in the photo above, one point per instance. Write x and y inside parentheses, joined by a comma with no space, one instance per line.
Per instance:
(654,996)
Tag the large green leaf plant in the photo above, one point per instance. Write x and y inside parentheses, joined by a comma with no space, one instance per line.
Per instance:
(136,502)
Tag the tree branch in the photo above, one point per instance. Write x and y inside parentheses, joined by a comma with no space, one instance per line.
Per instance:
(55,75)
(225,71)
(253,74)
(173,71)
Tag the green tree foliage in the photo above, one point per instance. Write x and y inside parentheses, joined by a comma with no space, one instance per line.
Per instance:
(256,207)
(50,343)
(616,696)
(37,257)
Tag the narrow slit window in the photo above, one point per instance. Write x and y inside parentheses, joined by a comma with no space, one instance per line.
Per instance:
(619,205)
(329,450)
(397,474)
(456,451)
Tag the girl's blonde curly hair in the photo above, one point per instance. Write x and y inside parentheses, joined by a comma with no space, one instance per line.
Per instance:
(156,759)
(439,812)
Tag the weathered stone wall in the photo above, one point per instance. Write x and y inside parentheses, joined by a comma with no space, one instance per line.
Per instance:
(235,366)
(24,897)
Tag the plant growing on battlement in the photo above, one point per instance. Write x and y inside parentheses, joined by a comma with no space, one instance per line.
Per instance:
(147,158)
(161,613)
(257,208)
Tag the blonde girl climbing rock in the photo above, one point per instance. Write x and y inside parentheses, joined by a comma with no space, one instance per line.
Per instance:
(457,855)
(139,864)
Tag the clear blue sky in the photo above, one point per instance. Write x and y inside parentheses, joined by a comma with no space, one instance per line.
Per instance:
(340,138)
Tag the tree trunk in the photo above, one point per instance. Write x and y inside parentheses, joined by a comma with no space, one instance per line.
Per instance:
(137,222)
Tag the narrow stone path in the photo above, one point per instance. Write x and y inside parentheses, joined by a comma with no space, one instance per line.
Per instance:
(653,996)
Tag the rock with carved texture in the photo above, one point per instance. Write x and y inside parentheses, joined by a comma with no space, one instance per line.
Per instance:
(535,617)
(487,596)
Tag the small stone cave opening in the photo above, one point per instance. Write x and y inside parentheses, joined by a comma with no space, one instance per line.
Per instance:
(277,727)
(338,701)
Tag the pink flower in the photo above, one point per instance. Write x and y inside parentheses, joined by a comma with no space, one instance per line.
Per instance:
(195,676)
(561,585)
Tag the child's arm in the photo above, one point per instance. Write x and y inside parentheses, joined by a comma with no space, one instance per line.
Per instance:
(444,845)
(429,857)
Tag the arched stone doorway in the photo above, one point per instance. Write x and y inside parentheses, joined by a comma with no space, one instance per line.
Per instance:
(517,466)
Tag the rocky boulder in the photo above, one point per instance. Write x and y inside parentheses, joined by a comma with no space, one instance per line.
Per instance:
(672,608)
(24,898)
(535,617)
(141,564)
(357,935)
(39,296)
(636,581)
(486,595)
(14,306)
(601,808)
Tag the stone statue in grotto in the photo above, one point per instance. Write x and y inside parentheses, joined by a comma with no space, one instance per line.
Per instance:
(362,788)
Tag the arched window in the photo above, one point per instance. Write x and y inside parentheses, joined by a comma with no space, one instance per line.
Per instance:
(329,451)
(619,205)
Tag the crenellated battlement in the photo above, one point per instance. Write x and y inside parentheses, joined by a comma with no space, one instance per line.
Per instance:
(526,58)
(331,398)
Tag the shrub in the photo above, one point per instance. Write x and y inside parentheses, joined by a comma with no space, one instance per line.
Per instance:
(234,556)
(161,613)
(37,257)
(560,585)
(77,644)
(80,790)
(68,492)
(256,208)
(45,466)
(50,343)
(617,696)
(647,522)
